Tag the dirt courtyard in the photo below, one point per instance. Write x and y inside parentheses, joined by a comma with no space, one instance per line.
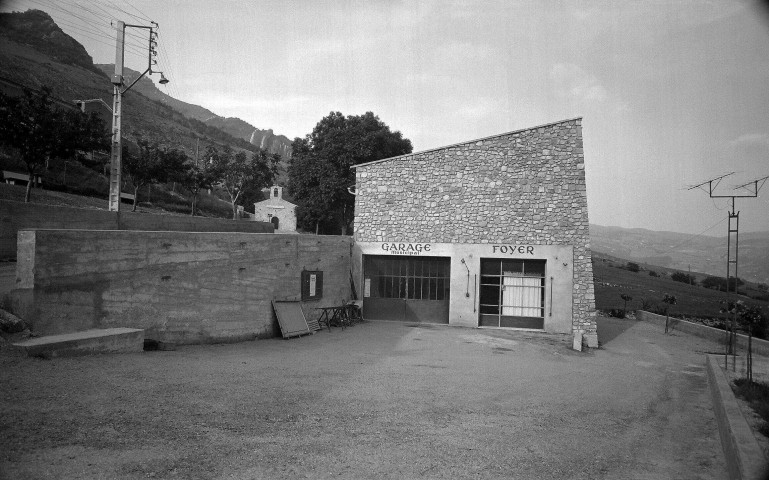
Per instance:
(378,400)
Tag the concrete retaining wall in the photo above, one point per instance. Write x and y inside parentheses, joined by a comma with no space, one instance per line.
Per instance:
(15,216)
(180,287)
(760,347)
(744,458)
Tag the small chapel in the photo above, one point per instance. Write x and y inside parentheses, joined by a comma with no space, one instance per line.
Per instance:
(281,213)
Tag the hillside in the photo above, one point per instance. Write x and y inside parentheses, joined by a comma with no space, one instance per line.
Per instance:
(165,202)
(234,126)
(35,52)
(612,279)
(37,30)
(682,251)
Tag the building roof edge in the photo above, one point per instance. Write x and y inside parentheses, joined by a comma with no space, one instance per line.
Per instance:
(466,142)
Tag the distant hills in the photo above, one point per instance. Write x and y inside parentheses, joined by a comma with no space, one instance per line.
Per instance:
(35,52)
(703,254)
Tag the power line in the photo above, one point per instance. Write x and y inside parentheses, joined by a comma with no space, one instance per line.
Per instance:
(689,239)
(128,13)
(138,11)
(110,16)
(88,29)
(166,58)
(51,5)
(84,31)
(105,19)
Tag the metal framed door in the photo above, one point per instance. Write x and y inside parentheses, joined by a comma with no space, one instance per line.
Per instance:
(414,289)
(512,293)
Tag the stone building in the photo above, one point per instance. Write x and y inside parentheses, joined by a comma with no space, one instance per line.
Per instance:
(279,212)
(491,233)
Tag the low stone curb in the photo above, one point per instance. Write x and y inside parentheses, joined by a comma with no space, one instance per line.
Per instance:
(744,457)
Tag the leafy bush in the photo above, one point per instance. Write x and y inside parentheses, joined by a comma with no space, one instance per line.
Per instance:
(617,313)
(760,296)
(652,273)
(757,396)
(719,283)
(683,278)
(633,267)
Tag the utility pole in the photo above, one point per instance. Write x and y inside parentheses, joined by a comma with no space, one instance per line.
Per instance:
(732,256)
(116,154)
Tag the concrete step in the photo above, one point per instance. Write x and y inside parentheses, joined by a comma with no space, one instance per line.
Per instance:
(88,342)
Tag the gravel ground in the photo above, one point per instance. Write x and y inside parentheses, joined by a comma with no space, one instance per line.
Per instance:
(378,400)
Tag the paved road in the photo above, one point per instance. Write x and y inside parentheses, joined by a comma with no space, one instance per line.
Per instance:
(379,400)
(675,431)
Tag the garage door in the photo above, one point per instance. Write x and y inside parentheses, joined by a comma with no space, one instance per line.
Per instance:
(414,289)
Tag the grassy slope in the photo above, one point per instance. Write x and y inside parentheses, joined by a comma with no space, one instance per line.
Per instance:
(163,202)
(611,280)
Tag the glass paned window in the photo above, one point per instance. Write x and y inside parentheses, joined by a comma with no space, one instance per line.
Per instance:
(513,290)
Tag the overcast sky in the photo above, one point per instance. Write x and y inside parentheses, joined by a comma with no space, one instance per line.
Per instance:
(672,93)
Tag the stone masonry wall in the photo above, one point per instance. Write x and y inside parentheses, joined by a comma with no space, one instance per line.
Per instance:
(526,186)
(180,287)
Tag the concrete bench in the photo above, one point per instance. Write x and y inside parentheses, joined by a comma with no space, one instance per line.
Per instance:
(13,178)
(88,342)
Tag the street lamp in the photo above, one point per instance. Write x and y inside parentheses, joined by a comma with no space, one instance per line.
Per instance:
(116,155)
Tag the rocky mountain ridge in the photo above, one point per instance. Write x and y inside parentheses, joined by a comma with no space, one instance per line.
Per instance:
(36,29)
(35,53)
(234,126)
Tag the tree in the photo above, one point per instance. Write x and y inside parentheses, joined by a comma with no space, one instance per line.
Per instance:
(633,267)
(142,167)
(201,175)
(626,298)
(239,175)
(751,319)
(719,283)
(253,192)
(41,131)
(151,164)
(320,173)
(668,300)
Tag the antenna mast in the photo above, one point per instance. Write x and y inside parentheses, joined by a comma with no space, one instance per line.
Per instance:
(732,257)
